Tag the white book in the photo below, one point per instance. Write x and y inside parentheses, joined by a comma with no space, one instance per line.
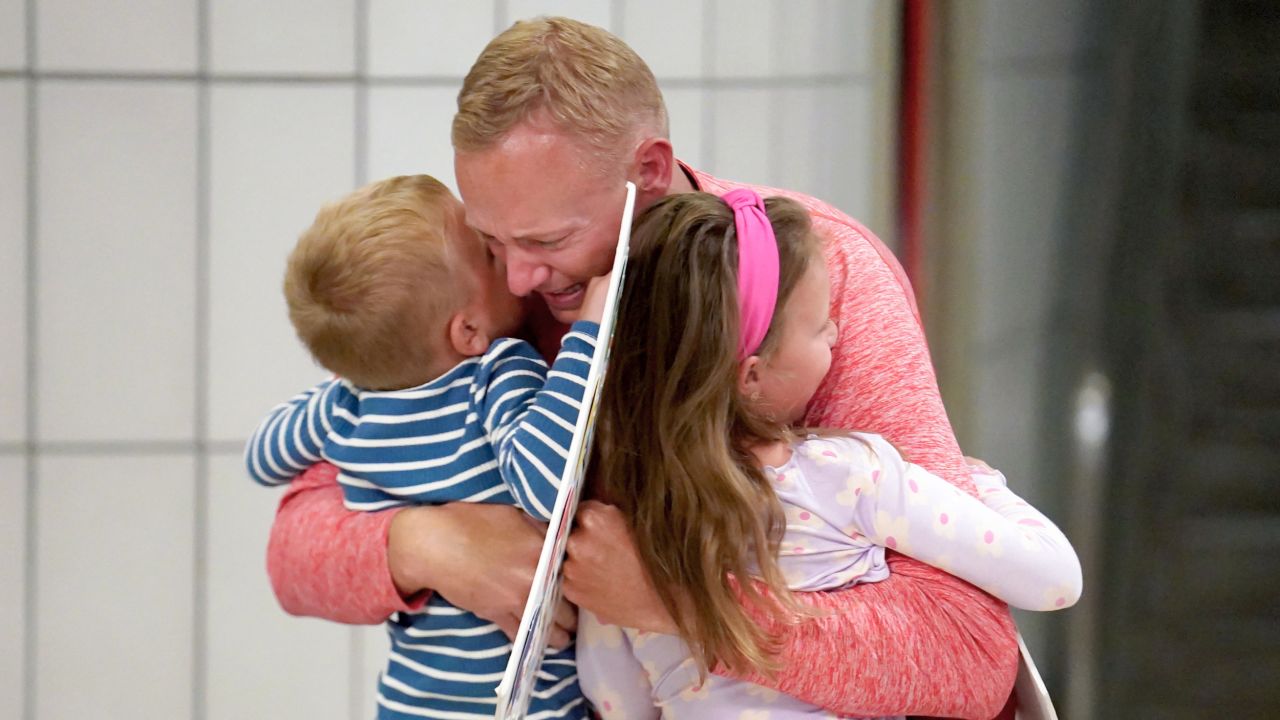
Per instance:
(531,640)
(1032,696)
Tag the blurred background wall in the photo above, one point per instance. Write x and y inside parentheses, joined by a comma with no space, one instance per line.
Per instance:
(159,157)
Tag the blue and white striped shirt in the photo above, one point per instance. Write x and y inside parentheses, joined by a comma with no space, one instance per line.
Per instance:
(494,429)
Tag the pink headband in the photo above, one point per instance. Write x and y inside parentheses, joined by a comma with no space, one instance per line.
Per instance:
(757,269)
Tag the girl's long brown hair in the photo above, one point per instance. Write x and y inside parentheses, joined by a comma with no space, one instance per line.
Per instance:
(674,437)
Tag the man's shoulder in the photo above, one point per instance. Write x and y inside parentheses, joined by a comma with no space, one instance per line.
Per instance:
(855,256)
(828,221)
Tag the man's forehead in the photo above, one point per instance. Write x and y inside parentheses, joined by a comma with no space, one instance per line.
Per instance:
(508,221)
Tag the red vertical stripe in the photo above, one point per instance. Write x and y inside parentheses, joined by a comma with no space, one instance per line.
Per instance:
(913,135)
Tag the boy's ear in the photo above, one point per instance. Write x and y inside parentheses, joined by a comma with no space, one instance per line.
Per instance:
(466,336)
(749,377)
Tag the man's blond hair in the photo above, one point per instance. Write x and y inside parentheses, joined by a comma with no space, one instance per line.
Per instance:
(587,81)
(371,277)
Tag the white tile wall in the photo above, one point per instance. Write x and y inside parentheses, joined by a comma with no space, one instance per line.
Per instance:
(282,37)
(686,111)
(594,12)
(124,241)
(278,152)
(741,120)
(409,130)
(669,35)
(744,44)
(825,37)
(116,35)
(374,646)
(13,582)
(261,662)
(823,136)
(116,245)
(114,580)
(410,37)
(13,259)
(13,35)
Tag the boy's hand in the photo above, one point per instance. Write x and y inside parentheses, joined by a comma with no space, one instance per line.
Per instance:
(593,302)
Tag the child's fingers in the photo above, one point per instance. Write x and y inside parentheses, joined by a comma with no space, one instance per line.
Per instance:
(978,465)
(566,616)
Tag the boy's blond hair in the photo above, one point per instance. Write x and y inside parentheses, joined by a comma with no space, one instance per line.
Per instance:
(586,80)
(370,281)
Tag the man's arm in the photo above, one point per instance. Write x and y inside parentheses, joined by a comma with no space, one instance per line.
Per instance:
(356,567)
(329,562)
(920,642)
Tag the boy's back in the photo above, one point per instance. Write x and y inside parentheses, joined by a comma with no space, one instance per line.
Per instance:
(494,429)
(389,289)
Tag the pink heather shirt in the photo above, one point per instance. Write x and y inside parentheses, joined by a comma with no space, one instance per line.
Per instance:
(921,642)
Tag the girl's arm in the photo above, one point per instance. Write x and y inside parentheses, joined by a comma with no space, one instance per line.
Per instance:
(529,413)
(610,674)
(919,643)
(998,543)
(289,439)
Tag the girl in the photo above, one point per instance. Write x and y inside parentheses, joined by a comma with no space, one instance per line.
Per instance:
(724,338)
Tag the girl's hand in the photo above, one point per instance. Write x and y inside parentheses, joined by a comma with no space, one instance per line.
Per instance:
(593,301)
(978,467)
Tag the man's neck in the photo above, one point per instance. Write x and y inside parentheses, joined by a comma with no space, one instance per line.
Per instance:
(681,180)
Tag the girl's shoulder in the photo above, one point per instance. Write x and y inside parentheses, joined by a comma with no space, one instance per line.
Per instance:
(846,447)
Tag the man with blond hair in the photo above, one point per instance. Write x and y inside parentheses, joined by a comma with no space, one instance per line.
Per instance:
(553,117)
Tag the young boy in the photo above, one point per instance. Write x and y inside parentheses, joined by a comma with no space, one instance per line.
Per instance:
(392,292)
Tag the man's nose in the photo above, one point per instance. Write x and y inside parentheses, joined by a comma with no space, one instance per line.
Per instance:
(524,274)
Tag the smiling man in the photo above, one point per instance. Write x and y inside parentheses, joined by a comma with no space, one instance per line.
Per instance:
(552,119)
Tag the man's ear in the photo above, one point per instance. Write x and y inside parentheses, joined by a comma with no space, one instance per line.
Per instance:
(654,163)
(466,336)
(749,377)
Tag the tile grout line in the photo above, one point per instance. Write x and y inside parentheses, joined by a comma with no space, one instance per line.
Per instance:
(200,560)
(617,11)
(708,129)
(122,447)
(499,16)
(446,81)
(775,121)
(30,566)
(357,683)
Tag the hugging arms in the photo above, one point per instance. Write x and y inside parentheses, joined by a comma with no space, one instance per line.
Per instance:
(920,642)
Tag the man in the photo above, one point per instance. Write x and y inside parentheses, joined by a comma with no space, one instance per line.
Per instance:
(552,119)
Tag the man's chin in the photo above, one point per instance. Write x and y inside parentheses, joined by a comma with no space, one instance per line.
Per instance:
(565,307)
(566,316)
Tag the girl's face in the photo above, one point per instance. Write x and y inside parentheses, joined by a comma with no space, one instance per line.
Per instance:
(791,373)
